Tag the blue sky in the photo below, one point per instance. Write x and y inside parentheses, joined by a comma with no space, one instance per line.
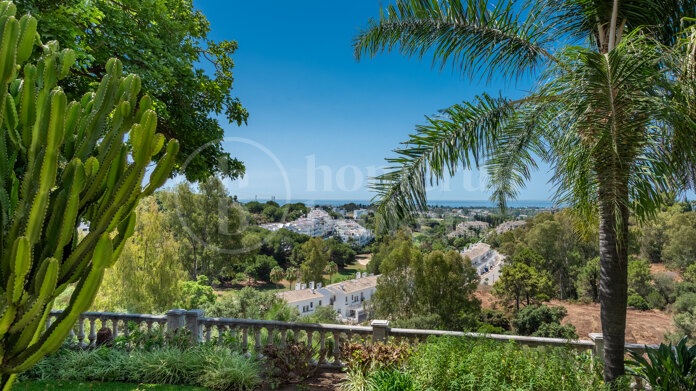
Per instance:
(316,113)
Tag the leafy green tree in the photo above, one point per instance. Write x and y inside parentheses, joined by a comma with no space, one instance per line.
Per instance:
(331,269)
(292,275)
(148,277)
(518,282)
(384,248)
(611,111)
(639,277)
(435,290)
(167,40)
(316,259)
(210,226)
(196,294)
(247,303)
(277,274)
(272,213)
(254,207)
(281,244)
(394,296)
(543,321)
(690,273)
(340,253)
(261,268)
(444,284)
(587,282)
(679,249)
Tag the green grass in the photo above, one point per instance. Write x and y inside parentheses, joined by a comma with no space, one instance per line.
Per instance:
(97,386)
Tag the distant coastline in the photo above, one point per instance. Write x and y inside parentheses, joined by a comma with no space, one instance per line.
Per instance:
(434,203)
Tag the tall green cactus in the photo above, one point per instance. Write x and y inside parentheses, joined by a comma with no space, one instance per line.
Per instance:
(63,163)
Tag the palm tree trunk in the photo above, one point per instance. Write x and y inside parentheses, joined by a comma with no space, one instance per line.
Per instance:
(613,282)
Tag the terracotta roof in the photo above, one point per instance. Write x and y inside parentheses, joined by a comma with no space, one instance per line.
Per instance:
(354,285)
(299,295)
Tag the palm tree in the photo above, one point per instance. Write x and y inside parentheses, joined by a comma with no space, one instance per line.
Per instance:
(611,111)
(331,269)
(292,275)
(277,274)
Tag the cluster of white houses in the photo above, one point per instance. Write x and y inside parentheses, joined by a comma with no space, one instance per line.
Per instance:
(348,298)
(319,223)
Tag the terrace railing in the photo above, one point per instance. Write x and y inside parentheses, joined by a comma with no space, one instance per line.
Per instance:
(252,335)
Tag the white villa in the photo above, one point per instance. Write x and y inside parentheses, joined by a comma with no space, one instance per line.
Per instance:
(319,223)
(509,226)
(350,230)
(347,297)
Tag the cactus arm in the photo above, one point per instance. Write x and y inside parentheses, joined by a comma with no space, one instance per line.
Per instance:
(8,49)
(27,104)
(80,301)
(49,168)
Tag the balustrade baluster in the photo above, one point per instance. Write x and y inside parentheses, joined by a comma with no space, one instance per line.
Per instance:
(80,331)
(322,346)
(92,331)
(257,339)
(310,335)
(245,339)
(269,338)
(126,329)
(71,336)
(283,338)
(114,324)
(221,334)
(149,326)
(207,332)
(337,348)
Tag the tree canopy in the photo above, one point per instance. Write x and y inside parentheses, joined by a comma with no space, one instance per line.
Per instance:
(166,43)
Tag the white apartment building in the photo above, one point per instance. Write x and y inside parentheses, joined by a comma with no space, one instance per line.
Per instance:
(480,225)
(350,231)
(509,226)
(347,298)
(319,223)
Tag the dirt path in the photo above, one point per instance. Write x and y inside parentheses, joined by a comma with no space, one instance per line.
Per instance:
(641,326)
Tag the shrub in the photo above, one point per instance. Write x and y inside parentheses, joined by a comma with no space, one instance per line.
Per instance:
(459,364)
(197,294)
(638,302)
(530,318)
(225,370)
(685,302)
(391,380)
(212,367)
(556,330)
(292,363)
(495,318)
(168,366)
(668,367)
(665,285)
(367,358)
(656,300)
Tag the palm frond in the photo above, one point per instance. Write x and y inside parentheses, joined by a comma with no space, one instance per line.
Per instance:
(516,149)
(461,138)
(475,39)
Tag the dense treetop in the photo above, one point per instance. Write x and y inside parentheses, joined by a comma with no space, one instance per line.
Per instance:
(162,41)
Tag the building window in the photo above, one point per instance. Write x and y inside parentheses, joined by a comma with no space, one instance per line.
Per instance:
(311,304)
(319,302)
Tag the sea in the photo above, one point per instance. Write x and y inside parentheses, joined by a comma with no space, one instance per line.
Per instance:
(435,203)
